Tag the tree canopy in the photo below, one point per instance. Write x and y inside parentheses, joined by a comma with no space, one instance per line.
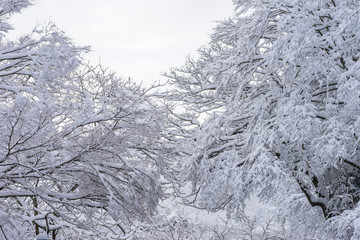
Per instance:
(80,148)
(278,87)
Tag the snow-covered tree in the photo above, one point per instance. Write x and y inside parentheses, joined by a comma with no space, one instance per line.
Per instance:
(278,92)
(80,148)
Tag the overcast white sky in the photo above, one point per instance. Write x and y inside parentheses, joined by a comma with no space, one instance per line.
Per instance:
(135,38)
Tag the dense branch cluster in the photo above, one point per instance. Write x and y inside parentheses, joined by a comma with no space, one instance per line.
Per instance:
(80,149)
(279,83)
